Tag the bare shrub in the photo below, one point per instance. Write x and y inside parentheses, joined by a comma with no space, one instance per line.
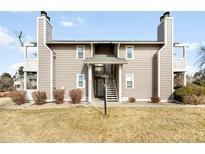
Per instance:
(5,94)
(76,95)
(18,97)
(202,99)
(191,99)
(155,99)
(180,93)
(39,97)
(131,99)
(59,96)
(1,94)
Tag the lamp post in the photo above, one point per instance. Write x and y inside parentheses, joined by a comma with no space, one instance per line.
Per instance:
(105,91)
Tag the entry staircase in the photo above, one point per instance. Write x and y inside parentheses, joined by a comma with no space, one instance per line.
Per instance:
(111,91)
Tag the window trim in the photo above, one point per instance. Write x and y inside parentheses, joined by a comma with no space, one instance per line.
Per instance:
(77,52)
(133,81)
(128,46)
(77,81)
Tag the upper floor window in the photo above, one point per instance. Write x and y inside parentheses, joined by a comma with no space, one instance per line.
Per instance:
(129,81)
(80,52)
(129,52)
(80,81)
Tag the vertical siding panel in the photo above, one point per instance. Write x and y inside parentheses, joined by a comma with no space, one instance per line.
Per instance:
(142,68)
(43,61)
(67,67)
(166,64)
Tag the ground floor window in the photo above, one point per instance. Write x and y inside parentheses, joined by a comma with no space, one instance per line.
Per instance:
(31,80)
(80,81)
(129,81)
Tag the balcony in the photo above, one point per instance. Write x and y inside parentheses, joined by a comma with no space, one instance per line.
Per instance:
(179,64)
(179,61)
(30,65)
(30,57)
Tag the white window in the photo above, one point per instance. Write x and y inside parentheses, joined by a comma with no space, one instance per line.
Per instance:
(129,81)
(80,81)
(80,52)
(129,52)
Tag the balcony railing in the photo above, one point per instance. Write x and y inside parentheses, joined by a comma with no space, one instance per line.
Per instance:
(30,65)
(179,64)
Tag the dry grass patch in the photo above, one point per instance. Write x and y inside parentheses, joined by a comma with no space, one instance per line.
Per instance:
(5,100)
(78,124)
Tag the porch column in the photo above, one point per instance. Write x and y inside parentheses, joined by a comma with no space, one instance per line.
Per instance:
(89,83)
(184,78)
(120,83)
(25,81)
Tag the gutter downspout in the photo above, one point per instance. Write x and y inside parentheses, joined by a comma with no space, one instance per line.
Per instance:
(51,60)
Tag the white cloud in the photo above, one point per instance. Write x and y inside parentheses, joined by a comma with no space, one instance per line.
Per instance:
(14,67)
(66,22)
(191,69)
(80,20)
(195,46)
(5,37)
(9,41)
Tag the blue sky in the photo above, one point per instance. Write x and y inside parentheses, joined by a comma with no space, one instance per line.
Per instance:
(188,27)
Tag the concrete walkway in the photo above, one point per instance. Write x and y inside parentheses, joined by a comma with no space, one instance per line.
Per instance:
(141,105)
(6,103)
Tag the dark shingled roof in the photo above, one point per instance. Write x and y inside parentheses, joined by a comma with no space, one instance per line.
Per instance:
(104,59)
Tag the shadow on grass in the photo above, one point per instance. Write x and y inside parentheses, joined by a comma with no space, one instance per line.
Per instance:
(99,111)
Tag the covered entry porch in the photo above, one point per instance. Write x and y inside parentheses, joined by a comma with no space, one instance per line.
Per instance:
(99,67)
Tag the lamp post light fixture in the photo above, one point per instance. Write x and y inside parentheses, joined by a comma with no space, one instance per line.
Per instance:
(105,93)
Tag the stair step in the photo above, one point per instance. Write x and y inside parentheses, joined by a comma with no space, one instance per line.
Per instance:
(111,97)
(111,93)
(115,100)
(111,90)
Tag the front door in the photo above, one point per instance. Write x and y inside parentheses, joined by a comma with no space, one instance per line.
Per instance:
(99,87)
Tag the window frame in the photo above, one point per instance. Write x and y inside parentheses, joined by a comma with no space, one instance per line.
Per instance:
(126,57)
(77,81)
(77,54)
(126,79)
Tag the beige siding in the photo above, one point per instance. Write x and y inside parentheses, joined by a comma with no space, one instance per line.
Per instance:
(67,67)
(48,32)
(160,32)
(142,68)
(166,64)
(43,61)
(155,77)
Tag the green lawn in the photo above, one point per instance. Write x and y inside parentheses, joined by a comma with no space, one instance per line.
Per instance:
(79,124)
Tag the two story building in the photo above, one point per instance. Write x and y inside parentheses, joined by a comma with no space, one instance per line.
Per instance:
(139,69)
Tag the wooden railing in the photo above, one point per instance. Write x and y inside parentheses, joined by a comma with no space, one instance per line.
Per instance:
(30,65)
(179,64)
